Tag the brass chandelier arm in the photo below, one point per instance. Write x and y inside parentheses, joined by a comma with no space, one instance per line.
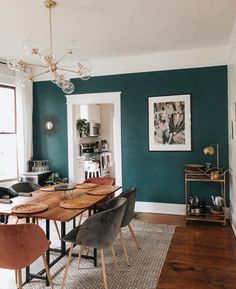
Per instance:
(68,70)
(36,65)
(59,60)
(36,75)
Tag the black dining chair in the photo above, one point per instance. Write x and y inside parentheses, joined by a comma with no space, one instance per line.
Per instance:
(6,194)
(98,231)
(25,188)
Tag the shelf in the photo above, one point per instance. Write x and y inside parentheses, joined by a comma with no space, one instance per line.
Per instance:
(215,218)
(205,215)
(204,180)
(200,176)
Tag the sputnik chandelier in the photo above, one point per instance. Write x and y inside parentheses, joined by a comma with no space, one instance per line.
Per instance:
(82,70)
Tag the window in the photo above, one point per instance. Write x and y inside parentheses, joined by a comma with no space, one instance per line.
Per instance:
(8,139)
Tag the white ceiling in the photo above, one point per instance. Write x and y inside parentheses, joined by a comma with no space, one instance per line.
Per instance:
(108,28)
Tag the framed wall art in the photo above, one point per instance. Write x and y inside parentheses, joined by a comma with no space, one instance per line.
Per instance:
(169,123)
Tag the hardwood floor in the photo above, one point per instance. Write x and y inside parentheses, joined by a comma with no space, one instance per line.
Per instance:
(201,255)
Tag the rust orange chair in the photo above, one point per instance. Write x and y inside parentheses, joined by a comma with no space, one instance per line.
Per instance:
(20,246)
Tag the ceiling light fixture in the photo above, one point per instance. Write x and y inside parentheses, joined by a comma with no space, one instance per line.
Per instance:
(82,70)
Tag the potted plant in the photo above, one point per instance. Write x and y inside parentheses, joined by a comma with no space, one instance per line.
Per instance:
(82,126)
(55,178)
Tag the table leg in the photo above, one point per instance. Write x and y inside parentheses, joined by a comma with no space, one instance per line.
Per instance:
(48,251)
(94,209)
(27,269)
(95,250)
(95,257)
(74,223)
(63,244)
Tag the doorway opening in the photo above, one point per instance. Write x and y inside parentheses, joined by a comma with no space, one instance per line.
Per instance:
(98,109)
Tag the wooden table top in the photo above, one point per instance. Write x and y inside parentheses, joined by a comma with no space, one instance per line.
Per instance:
(52,199)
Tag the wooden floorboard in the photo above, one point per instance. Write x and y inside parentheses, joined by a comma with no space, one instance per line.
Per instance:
(201,255)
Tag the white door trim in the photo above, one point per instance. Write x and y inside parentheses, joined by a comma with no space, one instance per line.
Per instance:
(92,98)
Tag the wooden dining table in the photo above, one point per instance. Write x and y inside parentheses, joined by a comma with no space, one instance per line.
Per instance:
(54,212)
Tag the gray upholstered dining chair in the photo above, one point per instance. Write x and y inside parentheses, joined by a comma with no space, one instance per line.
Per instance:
(6,193)
(130,195)
(28,188)
(25,187)
(98,231)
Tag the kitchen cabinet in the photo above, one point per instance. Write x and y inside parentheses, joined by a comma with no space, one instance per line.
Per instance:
(205,212)
(91,112)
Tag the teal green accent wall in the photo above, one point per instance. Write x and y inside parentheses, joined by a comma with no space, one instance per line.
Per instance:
(158,176)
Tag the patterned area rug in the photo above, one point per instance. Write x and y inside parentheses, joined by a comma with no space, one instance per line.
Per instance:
(145,264)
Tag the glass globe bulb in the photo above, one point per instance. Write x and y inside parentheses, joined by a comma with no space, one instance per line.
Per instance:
(67,87)
(65,83)
(73,47)
(22,79)
(30,47)
(55,77)
(85,76)
(46,56)
(12,63)
(20,82)
(84,66)
(60,80)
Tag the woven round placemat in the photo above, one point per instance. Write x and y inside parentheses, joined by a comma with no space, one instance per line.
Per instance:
(99,191)
(86,186)
(75,204)
(64,187)
(47,189)
(29,208)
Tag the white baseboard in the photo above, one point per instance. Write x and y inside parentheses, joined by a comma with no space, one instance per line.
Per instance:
(233,224)
(161,208)
(171,209)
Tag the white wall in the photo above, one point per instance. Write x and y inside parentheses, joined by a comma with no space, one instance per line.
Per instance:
(7,76)
(232,143)
(107,127)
